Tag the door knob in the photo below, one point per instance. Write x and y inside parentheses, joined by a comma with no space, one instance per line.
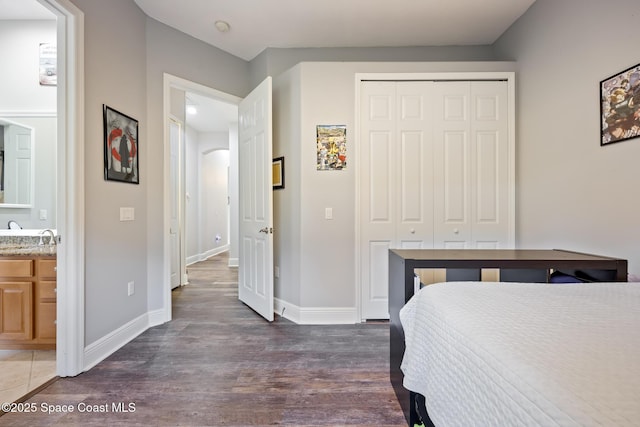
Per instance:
(266,230)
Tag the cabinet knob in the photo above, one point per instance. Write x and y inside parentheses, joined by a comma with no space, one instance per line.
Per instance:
(413,231)
(456,231)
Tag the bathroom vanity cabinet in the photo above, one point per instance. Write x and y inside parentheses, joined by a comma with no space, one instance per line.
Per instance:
(27,302)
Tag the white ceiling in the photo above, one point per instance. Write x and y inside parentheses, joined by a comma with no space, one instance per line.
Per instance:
(259,24)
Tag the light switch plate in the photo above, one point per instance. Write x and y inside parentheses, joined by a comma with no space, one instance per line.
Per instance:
(127,214)
(328,213)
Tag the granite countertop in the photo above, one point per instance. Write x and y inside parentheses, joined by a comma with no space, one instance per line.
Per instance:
(26,246)
(27,250)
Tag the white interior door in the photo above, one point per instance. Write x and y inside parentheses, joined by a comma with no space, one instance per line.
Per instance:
(255,275)
(18,170)
(175,134)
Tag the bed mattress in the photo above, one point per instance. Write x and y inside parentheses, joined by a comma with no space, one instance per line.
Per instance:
(525,354)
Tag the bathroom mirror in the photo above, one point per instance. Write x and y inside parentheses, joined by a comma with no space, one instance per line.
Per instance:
(16,165)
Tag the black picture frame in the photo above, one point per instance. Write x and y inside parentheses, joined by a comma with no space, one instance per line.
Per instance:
(277,169)
(620,106)
(120,161)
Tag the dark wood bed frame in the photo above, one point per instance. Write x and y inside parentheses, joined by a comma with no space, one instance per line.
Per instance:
(515,265)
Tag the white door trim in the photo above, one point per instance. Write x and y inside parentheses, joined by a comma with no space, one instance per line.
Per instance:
(508,76)
(70,188)
(171,81)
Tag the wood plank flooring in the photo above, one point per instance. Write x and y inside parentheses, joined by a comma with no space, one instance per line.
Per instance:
(220,364)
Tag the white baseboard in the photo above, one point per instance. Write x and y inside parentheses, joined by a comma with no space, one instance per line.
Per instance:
(287,310)
(315,315)
(157,317)
(234,262)
(99,350)
(207,254)
(193,259)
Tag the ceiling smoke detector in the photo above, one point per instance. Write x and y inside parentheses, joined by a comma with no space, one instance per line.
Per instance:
(223,26)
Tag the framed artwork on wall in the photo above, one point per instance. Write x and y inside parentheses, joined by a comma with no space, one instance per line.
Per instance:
(331,147)
(620,106)
(48,73)
(277,170)
(121,150)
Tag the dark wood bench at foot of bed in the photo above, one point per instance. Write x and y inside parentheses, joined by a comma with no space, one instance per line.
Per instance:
(515,265)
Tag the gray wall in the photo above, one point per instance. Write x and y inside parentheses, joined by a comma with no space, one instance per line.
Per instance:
(126,56)
(115,74)
(571,192)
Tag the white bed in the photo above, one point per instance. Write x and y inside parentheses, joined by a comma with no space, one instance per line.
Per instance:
(525,354)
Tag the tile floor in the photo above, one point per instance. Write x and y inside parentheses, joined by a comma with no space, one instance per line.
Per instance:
(22,371)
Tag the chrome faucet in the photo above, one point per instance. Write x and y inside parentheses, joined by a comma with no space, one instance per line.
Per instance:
(52,237)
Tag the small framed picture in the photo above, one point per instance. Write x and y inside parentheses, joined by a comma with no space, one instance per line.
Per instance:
(277,169)
(620,106)
(331,147)
(121,150)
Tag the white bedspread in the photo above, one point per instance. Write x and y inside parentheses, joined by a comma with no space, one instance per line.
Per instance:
(524,354)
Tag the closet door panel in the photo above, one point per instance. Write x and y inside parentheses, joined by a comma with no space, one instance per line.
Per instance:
(414,226)
(379,177)
(378,212)
(489,129)
(452,162)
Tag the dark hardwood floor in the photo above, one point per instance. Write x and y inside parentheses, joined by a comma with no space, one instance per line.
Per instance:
(220,364)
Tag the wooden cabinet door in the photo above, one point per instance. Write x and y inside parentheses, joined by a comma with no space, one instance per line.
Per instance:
(46,312)
(15,310)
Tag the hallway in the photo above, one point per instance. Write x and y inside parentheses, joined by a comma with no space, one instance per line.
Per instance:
(220,364)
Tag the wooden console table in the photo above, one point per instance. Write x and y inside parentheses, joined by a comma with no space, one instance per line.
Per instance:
(515,265)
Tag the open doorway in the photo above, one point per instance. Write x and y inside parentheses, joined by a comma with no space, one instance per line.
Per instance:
(202,182)
(63,83)
(28,118)
(210,131)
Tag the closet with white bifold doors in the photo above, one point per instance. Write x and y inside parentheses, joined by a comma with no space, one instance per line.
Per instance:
(436,171)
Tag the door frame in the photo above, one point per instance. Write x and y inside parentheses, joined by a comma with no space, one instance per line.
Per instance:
(508,76)
(70,303)
(171,81)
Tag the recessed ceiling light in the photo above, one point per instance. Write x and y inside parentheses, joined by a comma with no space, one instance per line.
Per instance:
(191,109)
(223,26)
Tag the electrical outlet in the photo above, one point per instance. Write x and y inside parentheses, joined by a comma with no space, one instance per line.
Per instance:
(276,271)
(131,288)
